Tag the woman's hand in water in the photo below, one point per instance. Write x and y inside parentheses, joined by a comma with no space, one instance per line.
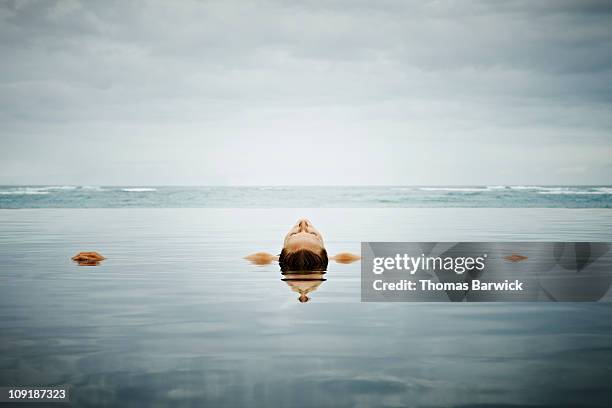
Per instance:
(345,258)
(261,258)
(88,256)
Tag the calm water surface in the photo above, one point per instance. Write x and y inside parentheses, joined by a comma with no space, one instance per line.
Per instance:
(175,317)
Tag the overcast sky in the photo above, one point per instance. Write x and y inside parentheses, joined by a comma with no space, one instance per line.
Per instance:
(326,92)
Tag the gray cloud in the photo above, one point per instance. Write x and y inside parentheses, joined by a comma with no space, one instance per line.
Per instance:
(227,92)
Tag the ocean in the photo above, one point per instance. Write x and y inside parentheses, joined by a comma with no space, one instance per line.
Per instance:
(176,317)
(306,197)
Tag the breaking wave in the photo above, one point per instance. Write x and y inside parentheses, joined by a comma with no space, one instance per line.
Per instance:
(466,189)
(576,192)
(55,188)
(24,192)
(138,189)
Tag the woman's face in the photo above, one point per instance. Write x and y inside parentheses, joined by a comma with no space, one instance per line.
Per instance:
(303,235)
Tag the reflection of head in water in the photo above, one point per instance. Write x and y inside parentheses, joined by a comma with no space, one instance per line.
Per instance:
(303,249)
(304,282)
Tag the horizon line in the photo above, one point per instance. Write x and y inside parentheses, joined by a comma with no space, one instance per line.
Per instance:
(308,185)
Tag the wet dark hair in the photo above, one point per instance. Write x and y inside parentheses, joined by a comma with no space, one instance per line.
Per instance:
(303,260)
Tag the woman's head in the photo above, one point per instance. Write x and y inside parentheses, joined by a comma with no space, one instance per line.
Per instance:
(303,249)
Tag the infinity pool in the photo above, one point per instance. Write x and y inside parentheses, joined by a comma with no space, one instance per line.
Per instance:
(176,317)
